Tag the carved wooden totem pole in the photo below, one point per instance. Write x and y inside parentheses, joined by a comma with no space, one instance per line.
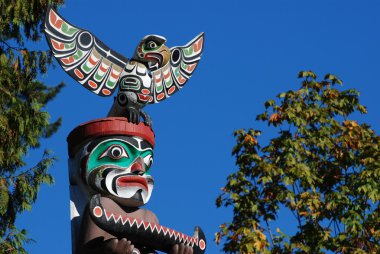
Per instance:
(110,158)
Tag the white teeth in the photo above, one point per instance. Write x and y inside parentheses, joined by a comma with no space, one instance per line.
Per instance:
(185,239)
(116,220)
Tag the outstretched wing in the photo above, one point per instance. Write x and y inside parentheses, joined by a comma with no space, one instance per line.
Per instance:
(83,56)
(173,76)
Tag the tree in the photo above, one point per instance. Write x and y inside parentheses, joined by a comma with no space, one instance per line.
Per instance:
(23,121)
(322,166)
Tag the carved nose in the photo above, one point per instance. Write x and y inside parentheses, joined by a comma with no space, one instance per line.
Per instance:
(138,166)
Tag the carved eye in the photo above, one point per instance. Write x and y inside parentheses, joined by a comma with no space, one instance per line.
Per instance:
(151,45)
(115,152)
(148,160)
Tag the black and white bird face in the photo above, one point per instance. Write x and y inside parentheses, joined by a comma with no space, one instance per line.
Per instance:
(153,52)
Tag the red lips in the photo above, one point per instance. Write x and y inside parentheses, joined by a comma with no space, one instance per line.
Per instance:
(132,181)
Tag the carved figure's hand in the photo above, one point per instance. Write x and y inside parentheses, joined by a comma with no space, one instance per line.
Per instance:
(118,246)
(181,249)
(134,115)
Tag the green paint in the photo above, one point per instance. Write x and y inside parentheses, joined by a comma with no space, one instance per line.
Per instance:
(145,50)
(111,84)
(176,72)
(189,51)
(98,77)
(159,88)
(78,54)
(169,82)
(68,30)
(85,67)
(69,45)
(95,161)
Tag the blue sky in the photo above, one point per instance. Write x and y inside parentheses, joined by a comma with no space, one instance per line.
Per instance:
(253,51)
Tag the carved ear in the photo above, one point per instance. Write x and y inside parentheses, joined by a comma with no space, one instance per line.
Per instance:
(83,56)
(174,75)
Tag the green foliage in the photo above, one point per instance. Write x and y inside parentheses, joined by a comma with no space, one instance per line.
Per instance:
(23,121)
(322,166)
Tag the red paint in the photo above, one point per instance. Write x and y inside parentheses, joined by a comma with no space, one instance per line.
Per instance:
(57,45)
(92,61)
(167,75)
(146,224)
(92,84)
(56,22)
(145,91)
(136,167)
(115,76)
(191,67)
(202,244)
(106,92)
(181,80)
(143,97)
(102,68)
(160,96)
(109,126)
(132,181)
(79,73)
(171,90)
(158,80)
(198,45)
(67,60)
(98,211)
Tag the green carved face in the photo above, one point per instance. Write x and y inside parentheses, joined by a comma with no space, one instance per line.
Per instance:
(119,166)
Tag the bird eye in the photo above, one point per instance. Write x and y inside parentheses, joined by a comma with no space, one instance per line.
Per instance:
(148,160)
(115,152)
(151,45)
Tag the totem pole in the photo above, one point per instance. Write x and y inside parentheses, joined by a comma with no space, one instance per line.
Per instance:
(110,158)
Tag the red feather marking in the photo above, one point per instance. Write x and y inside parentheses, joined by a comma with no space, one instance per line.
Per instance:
(57,45)
(160,96)
(181,80)
(102,68)
(171,90)
(55,20)
(198,45)
(167,75)
(79,73)
(106,91)
(92,84)
(145,91)
(191,67)
(92,61)
(115,75)
(67,60)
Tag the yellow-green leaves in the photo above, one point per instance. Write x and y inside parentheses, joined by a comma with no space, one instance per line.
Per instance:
(321,165)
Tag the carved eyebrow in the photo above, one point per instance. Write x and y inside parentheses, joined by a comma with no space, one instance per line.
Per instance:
(128,139)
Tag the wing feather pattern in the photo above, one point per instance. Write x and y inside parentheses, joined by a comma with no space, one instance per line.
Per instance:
(83,56)
(173,76)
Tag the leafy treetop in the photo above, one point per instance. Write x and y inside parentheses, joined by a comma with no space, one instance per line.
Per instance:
(322,166)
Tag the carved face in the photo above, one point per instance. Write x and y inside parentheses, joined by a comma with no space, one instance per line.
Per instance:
(153,51)
(119,167)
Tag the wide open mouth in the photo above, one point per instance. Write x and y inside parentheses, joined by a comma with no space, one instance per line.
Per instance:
(154,57)
(132,181)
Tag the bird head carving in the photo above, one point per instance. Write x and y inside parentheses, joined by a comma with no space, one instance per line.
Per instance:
(153,52)
(154,73)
